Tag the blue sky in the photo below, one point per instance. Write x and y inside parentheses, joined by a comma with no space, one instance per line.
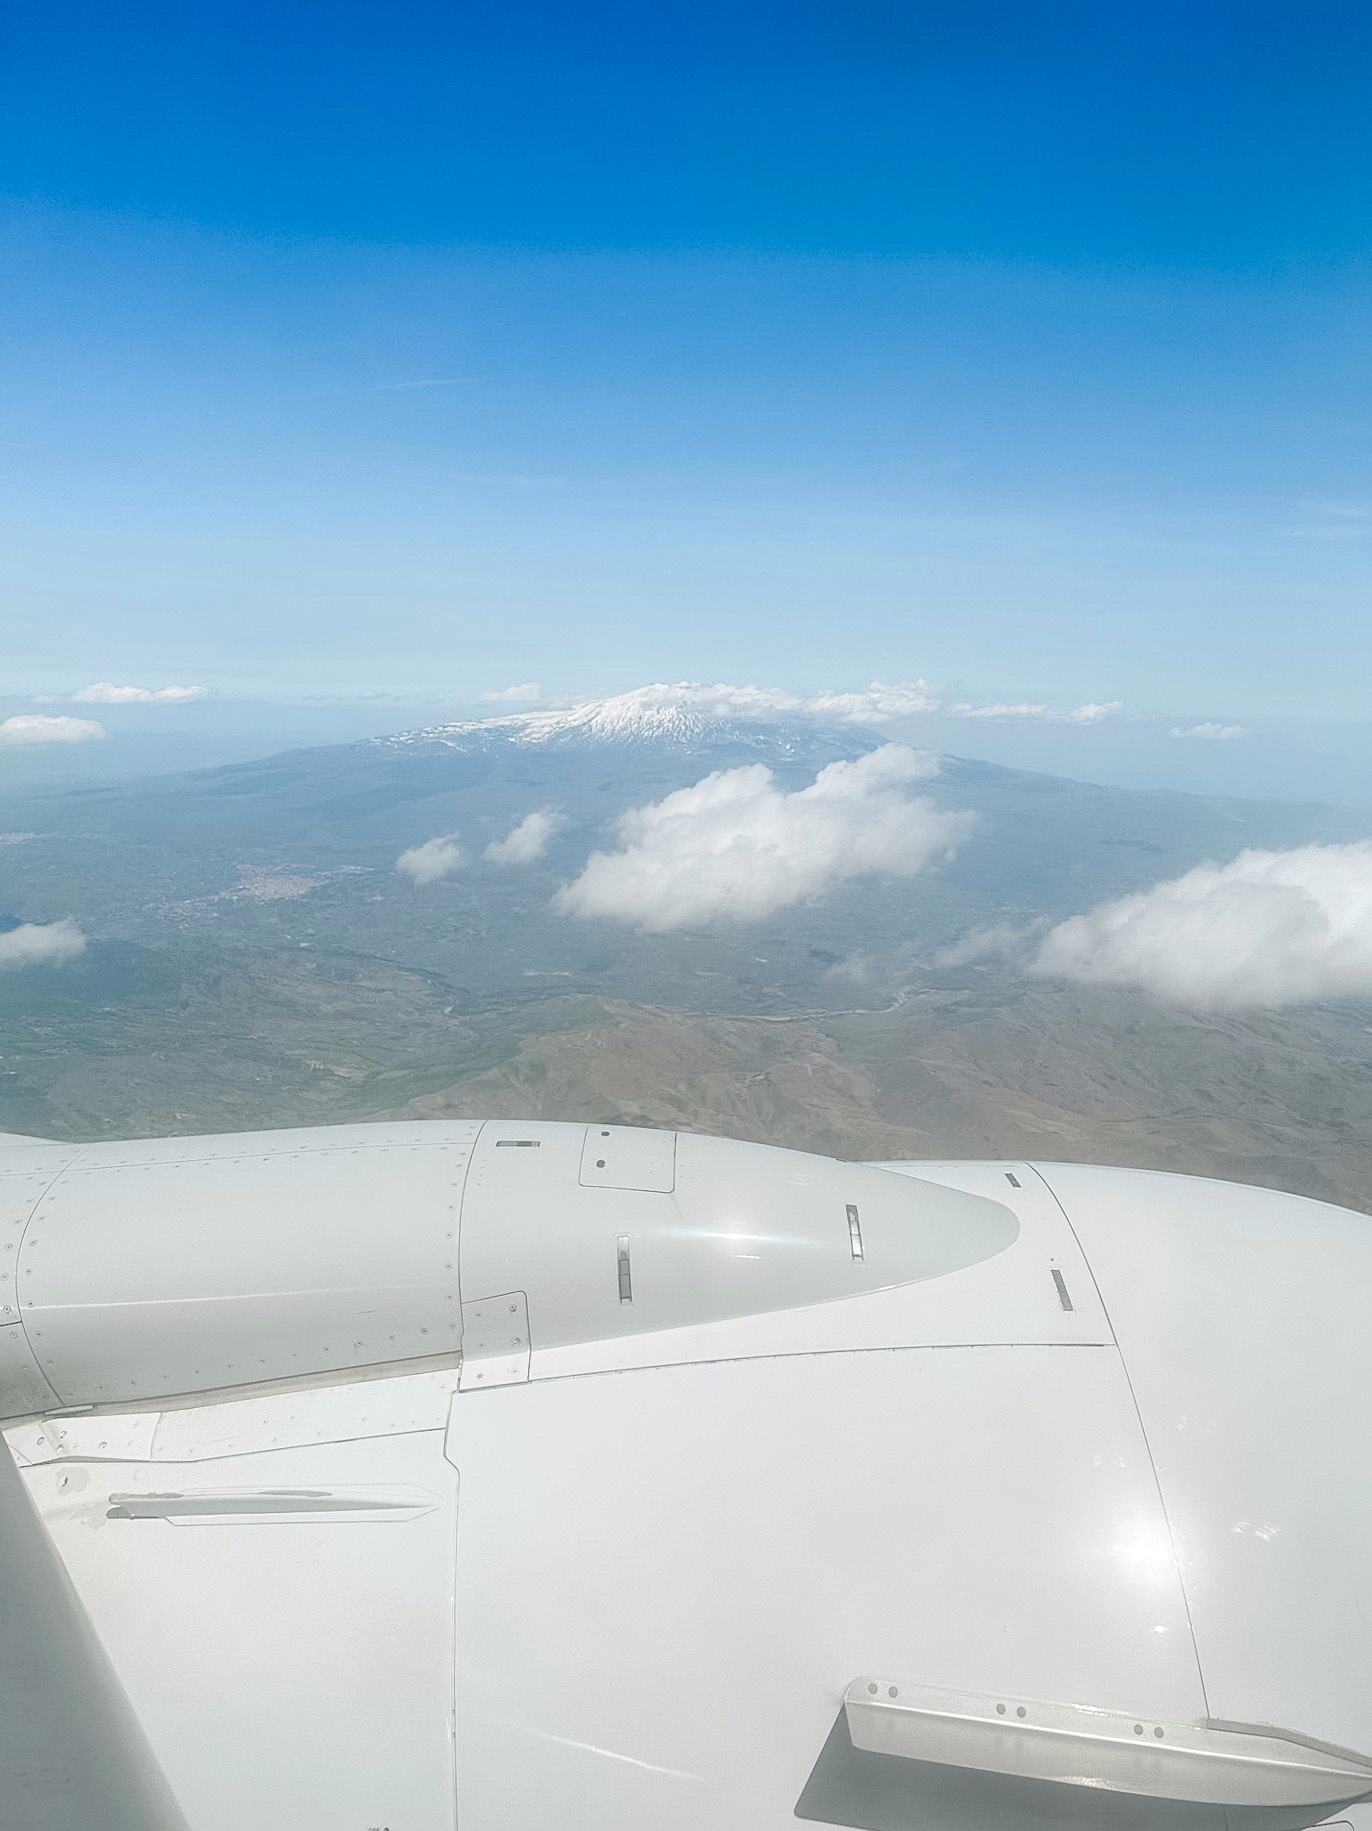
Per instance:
(354,348)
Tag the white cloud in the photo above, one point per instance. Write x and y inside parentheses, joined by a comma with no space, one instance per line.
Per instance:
(527,841)
(1089,714)
(1272,928)
(735,847)
(1215,733)
(876,703)
(434,859)
(1093,712)
(106,693)
(1000,710)
(676,706)
(870,705)
(1003,939)
(28,728)
(40,944)
(857,969)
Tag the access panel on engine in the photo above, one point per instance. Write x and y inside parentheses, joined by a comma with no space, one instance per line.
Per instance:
(627,1157)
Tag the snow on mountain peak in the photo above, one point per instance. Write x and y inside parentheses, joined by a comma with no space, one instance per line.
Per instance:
(683,712)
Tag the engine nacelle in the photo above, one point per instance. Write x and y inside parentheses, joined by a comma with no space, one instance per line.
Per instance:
(179,1266)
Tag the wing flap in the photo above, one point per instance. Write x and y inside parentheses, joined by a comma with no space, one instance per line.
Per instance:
(1075,1745)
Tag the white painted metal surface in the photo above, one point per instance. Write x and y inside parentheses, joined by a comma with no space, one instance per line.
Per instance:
(1008,1298)
(1115,1751)
(73,1754)
(21,1378)
(188,1265)
(293,1418)
(733,1426)
(26,1174)
(628,1157)
(292,1666)
(668,1579)
(495,1340)
(744,1231)
(1245,1321)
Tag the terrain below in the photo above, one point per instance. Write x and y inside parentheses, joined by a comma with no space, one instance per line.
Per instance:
(255,959)
(994,1069)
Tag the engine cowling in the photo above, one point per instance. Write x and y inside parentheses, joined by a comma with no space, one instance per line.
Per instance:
(173,1267)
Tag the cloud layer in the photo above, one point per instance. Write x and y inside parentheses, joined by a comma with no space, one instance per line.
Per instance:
(874,704)
(1090,714)
(28,728)
(671,707)
(1212,732)
(434,859)
(528,841)
(1004,940)
(871,705)
(1272,928)
(735,847)
(40,944)
(106,693)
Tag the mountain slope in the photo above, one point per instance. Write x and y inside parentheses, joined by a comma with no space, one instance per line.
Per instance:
(254,955)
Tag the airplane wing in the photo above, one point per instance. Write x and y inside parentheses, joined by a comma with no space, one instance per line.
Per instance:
(273,1579)
(73,1754)
(574,1477)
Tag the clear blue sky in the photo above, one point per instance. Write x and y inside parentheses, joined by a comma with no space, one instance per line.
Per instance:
(405,348)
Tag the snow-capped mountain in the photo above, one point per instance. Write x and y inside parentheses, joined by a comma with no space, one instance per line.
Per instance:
(630,719)
(684,715)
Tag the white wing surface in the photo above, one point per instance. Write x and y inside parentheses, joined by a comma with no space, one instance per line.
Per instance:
(274,1583)
(961,1498)
(73,1754)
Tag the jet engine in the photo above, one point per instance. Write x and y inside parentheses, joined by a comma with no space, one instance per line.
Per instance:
(522,1475)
